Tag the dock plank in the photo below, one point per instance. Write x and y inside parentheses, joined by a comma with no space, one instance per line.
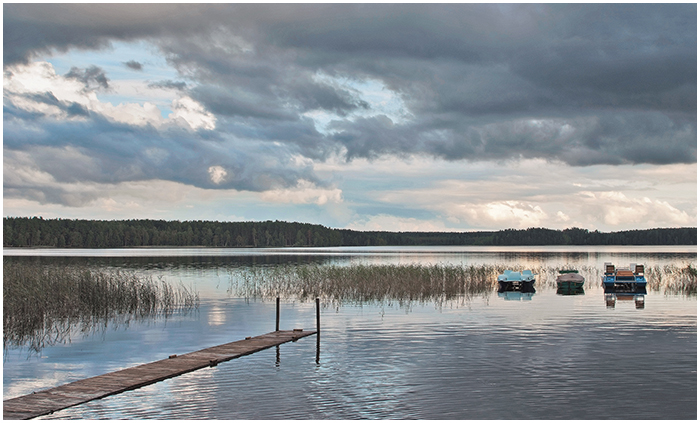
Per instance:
(81,391)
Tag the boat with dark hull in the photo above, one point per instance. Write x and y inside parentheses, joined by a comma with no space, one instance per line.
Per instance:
(511,280)
(570,280)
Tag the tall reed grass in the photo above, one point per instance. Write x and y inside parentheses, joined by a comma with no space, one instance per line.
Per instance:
(670,279)
(673,279)
(43,305)
(366,284)
(414,283)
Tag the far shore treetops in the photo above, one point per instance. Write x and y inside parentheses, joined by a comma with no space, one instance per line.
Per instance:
(67,233)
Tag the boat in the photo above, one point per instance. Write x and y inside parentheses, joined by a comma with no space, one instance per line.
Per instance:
(624,280)
(511,280)
(569,280)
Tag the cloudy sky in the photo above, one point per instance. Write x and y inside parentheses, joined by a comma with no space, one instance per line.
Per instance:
(395,117)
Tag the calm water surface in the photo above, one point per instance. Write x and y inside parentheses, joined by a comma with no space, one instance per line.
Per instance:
(544,356)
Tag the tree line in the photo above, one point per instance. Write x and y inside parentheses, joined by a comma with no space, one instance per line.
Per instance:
(69,233)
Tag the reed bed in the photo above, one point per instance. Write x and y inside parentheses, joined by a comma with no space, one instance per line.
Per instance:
(367,284)
(673,279)
(669,279)
(43,305)
(414,283)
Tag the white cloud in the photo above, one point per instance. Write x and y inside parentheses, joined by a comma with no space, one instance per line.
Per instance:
(23,83)
(217,174)
(304,193)
(531,193)
(152,199)
(562,217)
(385,222)
(499,214)
(617,209)
(192,113)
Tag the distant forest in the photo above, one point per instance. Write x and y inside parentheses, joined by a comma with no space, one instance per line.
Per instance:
(67,233)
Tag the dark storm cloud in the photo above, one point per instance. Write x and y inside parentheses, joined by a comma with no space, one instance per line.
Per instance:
(241,102)
(91,76)
(71,109)
(299,136)
(133,64)
(318,96)
(105,152)
(30,30)
(169,85)
(580,83)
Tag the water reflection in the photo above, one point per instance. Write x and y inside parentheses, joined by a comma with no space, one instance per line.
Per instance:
(570,291)
(516,295)
(446,365)
(208,258)
(384,361)
(613,295)
(186,262)
(216,316)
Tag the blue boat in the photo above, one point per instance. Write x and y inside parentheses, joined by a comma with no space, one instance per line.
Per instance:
(511,280)
(624,280)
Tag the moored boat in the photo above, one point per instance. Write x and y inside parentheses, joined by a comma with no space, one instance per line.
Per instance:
(569,280)
(511,280)
(623,279)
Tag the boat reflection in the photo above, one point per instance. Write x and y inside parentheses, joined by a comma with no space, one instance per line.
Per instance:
(570,291)
(516,295)
(613,295)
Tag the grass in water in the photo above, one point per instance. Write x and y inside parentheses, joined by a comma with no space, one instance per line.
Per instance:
(673,279)
(365,284)
(414,283)
(42,305)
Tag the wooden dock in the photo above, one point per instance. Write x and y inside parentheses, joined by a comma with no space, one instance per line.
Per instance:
(82,391)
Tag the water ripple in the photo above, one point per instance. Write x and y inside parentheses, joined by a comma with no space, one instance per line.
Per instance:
(553,357)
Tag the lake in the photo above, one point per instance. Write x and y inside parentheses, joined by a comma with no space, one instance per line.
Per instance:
(492,356)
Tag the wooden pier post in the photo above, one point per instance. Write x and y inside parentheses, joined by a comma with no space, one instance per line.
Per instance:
(318,317)
(318,331)
(277,320)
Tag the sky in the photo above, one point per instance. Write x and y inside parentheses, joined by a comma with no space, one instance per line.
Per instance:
(395,117)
